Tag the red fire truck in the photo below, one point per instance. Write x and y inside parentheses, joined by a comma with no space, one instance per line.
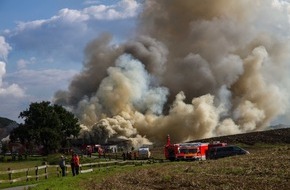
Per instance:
(188,151)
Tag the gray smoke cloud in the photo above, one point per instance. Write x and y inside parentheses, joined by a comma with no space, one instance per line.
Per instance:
(195,69)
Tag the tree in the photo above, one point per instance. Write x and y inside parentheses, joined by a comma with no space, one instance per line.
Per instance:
(4,148)
(47,125)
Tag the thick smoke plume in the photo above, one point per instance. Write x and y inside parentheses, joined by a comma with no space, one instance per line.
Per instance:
(195,69)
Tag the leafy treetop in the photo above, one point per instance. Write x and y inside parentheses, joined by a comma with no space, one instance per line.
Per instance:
(47,125)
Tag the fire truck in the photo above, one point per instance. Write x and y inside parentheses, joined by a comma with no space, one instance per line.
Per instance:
(88,149)
(144,153)
(188,151)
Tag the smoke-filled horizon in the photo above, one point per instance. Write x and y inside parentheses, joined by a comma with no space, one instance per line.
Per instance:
(195,69)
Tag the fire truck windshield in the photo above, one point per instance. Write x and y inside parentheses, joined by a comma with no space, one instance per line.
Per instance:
(188,150)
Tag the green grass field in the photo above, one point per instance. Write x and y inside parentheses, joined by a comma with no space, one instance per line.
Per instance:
(19,165)
(34,161)
(266,167)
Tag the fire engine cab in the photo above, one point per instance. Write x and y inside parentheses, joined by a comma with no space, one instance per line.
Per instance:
(188,151)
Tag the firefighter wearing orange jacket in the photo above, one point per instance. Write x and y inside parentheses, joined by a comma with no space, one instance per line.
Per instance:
(76,159)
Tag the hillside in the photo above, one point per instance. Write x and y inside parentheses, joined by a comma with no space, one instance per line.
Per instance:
(6,126)
(4,122)
(273,136)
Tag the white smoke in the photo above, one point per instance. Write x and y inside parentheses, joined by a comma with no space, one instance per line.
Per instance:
(196,69)
(5,89)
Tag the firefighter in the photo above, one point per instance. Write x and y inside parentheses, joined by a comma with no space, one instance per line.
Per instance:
(135,155)
(72,164)
(124,156)
(62,165)
(76,164)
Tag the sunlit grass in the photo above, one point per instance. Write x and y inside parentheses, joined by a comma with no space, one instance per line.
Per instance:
(266,167)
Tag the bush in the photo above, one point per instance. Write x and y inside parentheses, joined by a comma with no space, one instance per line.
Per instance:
(52,159)
(2,158)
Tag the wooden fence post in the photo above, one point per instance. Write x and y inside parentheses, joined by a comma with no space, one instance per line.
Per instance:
(36,173)
(45,171)
(27,174)
(58,172)
(10,175)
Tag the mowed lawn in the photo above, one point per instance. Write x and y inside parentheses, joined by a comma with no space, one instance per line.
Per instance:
(16,165)
(19,165)
(266,167)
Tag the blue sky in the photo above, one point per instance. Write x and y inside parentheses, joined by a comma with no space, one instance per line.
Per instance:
(42,44)
(13,11)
